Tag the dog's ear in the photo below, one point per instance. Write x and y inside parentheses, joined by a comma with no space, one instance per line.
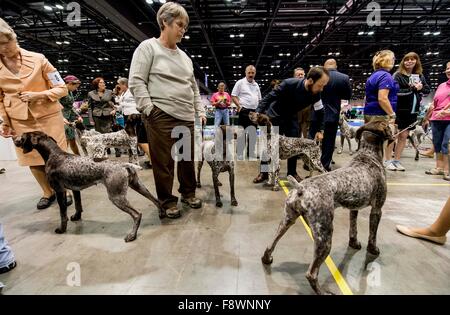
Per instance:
(79,125)
(27,146)
(129,128)
(293,181)
(359,133)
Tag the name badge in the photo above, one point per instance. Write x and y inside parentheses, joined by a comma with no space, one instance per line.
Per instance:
(55,78)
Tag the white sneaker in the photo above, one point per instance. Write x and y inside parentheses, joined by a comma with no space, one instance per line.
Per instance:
(391,166)
(399,166)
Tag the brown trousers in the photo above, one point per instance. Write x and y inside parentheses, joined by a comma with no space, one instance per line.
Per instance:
(159,127)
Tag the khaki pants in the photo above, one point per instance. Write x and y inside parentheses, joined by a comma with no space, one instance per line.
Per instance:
(159,127)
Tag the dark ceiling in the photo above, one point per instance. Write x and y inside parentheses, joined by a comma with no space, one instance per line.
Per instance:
(277,36)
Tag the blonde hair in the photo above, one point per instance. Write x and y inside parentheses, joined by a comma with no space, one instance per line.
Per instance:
(169,12)
(383,59)
(417,68)
(6,30)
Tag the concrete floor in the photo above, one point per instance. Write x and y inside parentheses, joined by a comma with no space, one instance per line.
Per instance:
(217,250)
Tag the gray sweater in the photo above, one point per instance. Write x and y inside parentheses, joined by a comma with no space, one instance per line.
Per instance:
(164,78)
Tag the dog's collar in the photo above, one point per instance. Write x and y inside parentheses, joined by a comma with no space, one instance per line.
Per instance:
(375,134)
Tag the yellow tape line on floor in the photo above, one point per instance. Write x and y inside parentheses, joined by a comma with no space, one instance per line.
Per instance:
(340,281)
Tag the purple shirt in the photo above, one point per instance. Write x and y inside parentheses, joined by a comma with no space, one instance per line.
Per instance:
(379,80)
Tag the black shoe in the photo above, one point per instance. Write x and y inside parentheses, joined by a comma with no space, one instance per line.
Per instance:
(69,199)
(146,165)
(8,268)
(44,203)
(192,202)
(2,170)
(260,178)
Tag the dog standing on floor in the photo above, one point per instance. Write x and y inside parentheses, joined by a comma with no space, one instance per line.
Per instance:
(306,149)
(218,165)
(347,133)
(69,171)
(94,144)
(360,184)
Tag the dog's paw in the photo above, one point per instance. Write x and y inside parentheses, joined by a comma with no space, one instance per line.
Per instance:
(374,250)
(351,152)
(219,204)
(267,259)
(75,218)
(355,244)
(199,185)
(234,202)
(219,183)
(60,231)
(339,152)
(130,237)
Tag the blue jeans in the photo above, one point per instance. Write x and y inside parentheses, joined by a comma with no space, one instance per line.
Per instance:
(6,254)
(441,135)
(221,114)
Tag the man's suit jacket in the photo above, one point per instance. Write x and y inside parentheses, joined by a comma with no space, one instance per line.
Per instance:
(337,89)
(35,75)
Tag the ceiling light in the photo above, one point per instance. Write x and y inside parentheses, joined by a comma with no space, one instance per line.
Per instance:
(149,1)
(288,54)
(66,42)
(436,53)
(199,56)
(338,53)
(192,56)
(187,37)
(115,39)
(231,35)
(426,33)
(241,35)
(305,34)
(429,53)
(436,33)
(58,43)
(371,33)
(48,8)
(106,40)
(240,55)
(361,33)
(59,7)
(295,34)
(330,53)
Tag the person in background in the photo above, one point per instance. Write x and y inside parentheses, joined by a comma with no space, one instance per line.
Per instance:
(163,84)
(69,113)
(304,117)
(337,89)
(275,83)
(221,100)
(127,105)
(439,116)
(30,88)
(101,102)
(412,86)
(381,93)
(246,95)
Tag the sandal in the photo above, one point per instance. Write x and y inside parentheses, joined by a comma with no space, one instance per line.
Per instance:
(435,171)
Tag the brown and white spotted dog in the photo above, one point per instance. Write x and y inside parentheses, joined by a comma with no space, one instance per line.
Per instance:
(94,144)
(69,171)
(360,184)
(217,167)
(308,150)
(347,133)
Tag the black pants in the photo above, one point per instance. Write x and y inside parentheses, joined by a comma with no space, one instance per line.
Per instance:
(328,141)
(245,122)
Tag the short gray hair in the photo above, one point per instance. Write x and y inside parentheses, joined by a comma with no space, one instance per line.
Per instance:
(7,30)
(123,81)
(169,12)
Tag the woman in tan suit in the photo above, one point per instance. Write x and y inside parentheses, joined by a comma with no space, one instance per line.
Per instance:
(29,91)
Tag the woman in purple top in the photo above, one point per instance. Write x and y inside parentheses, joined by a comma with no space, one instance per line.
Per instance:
(381,92)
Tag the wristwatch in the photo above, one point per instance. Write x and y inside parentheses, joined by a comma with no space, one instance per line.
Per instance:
(392,116)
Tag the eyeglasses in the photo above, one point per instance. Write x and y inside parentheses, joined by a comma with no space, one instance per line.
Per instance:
(180,24)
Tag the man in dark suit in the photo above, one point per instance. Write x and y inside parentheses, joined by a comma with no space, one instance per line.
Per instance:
(283,104)
(337,89)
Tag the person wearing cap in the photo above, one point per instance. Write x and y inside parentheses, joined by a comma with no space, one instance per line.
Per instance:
(69,113)
(30,88)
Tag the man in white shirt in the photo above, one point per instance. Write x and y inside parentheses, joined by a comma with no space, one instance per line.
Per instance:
(246,95)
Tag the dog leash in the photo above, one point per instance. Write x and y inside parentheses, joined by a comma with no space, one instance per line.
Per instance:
(410,126)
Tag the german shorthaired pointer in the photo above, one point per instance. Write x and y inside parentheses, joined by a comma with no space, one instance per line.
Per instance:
(94,144)
(347,133)
(218,165)
(360,184)
(306,149)
(69,171)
